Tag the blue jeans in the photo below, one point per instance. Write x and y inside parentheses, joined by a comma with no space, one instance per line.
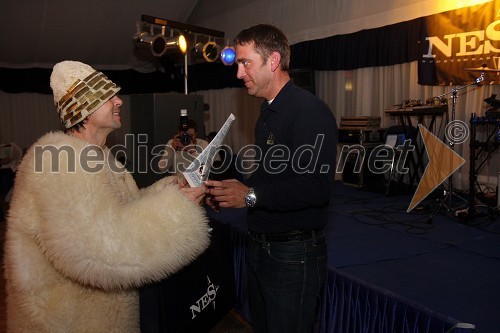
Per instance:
(285,282)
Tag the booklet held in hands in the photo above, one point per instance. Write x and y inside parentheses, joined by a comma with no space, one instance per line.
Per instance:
(197,172)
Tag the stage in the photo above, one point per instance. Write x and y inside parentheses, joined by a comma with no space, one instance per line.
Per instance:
(393,271)
(388,271)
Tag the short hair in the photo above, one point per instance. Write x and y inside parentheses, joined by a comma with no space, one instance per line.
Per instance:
(267,39)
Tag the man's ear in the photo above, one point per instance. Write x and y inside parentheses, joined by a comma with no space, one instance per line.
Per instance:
(275,60)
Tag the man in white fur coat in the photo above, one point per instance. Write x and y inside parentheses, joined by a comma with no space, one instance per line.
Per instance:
(81,237)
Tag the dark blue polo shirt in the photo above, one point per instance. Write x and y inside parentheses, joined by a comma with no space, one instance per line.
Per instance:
(296,142)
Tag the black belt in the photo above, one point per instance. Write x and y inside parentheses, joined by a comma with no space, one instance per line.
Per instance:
(296,235)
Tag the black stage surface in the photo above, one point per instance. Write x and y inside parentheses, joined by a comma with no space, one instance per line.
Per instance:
(446,269)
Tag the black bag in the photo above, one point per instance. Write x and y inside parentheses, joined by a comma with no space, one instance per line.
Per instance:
(196,298)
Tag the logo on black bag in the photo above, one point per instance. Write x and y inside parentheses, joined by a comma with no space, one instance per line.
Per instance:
(205,300)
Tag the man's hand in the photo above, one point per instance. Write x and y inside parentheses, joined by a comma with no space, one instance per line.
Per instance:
(195,194)
(228,193)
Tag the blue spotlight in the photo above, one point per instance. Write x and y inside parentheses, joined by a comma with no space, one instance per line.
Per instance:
(228,55)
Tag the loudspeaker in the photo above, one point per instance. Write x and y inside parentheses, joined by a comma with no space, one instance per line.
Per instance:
(356,169)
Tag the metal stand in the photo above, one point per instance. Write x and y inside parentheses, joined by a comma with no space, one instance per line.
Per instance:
(185,74)
(449,193)
(481,151)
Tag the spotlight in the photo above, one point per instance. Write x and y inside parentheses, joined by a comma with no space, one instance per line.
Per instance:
(178,43)
(210,51)
(160,45)
(156,43)
(228,55)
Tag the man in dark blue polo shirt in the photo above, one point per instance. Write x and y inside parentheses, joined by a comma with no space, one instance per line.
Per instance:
(288,193)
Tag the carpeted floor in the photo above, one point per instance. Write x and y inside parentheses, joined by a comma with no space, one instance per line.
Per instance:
(232,323)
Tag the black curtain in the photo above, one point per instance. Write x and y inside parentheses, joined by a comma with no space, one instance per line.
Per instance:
(385,46)
(202,76)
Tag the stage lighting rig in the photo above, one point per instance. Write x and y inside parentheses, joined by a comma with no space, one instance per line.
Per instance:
(162,37)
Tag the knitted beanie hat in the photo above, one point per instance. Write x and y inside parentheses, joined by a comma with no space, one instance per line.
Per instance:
(79,90)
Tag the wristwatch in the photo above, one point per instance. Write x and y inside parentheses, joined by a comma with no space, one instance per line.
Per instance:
(250,198)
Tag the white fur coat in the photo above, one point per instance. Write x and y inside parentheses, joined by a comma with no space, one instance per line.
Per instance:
(79,242)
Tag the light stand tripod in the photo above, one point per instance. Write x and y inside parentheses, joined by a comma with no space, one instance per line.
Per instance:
(449,193)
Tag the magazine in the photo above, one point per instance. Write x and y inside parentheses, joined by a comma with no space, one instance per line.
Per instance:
(197,172)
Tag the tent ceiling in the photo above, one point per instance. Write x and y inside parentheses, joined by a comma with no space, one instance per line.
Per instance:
(99,32)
